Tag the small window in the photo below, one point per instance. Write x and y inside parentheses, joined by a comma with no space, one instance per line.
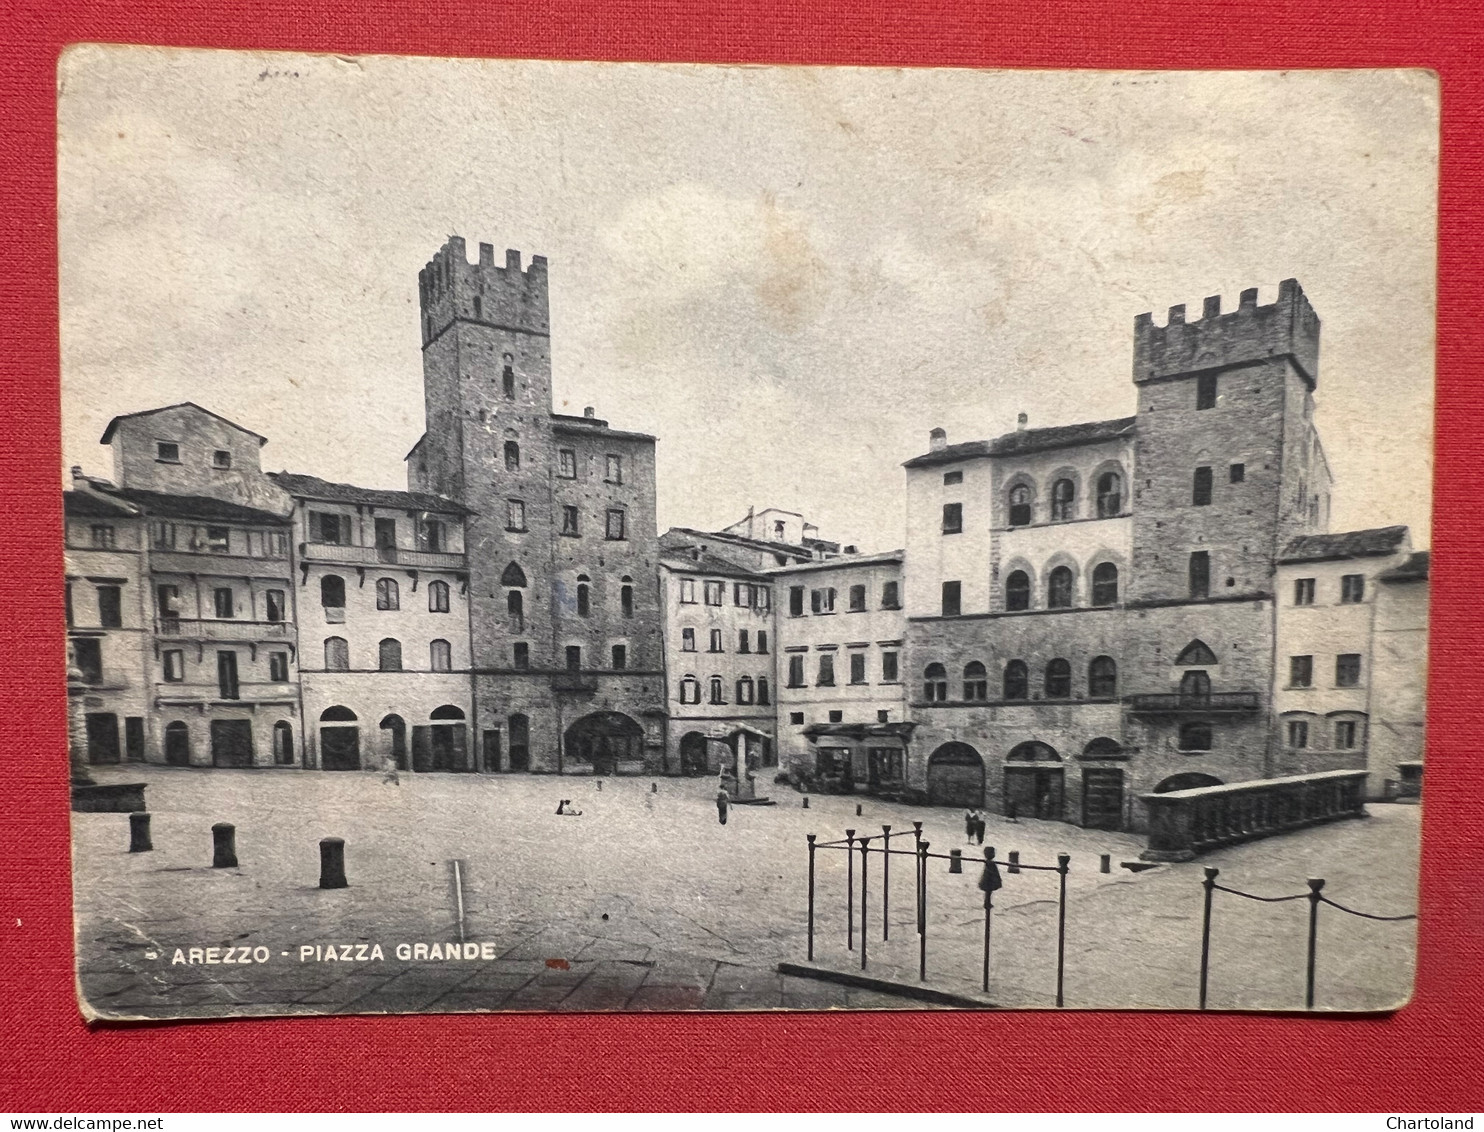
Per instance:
(890,596)
(218,540)
(274,605)
(512,456)
(826,677)
(1200,574)
(1105,584)
(741,595)
(174,665)
(690,690)
(762,642)
(615,524)
(714,592)
(221,600)
(167,452)
(332,591)
(1058,679)
(1303,591)
(1195,736)
(762,599)
(337,654)
(221,459)
(620,656)
(432,535)
(744,690)
(952,599)
(515,515)
(715,641)
(687,640)
(326,528)
(976,682)
(951,478)
(613,469)
(1063,500)
(569,520)
(744,641)
(438,597)
(567,464)
(1102,678)
(1298,733)
(574,658)
(1205,391)
(796,601)
(687,591)
(1236,473)
(626,600)
(389,655)
(1352,588)
(1347,670)
(796,672)
(440,656)
(278,667)
(857,599)
(717,696)
(387,594)
(226,676)
(763,695)
(889,668)
(1300,671)
(88,654)
(111,607)
(520,655)
(1200,492)
(1110,495)
(1059,588)
(953,518)
(584,599)
(515,610)
(884,716)
(822,601)
(507,381)
(1017,591)
(836,716)
(162,535)
(1020,505)
(796,719)
(935,684)
(857,668)
(478,307)
(1345,733)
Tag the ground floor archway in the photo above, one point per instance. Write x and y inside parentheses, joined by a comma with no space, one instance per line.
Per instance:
(955,776)
(693,753)
(1102,797)
(339,740)
(1035,784)
(602,741)
(231,742)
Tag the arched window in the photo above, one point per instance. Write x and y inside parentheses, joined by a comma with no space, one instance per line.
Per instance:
(762,690)
(1195,735)
(437,597)
(1197,652)
(512,456)
(1063,499)
(1195,687)
(440,656)
(513,575)
(387,595)
(1058,679)
(283,743)
(1017,681)
(584,600)
(1020,505)
(389,655)
(1059,588)
(177,744)
(744,690)
(337,654)
(1102,678)
(690,690)
(447,711)
(337,715)
(976,684)
(507,376)
(1110,495)
(515,606)
(935,684)
(626,598)
(332,591)
(716,690)
(1105,584)
(1017,591)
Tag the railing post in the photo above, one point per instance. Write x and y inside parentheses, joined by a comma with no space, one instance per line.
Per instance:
(917,871)
(886,882)
(989,884)
(865,904)
(1210,886)
(1063,860)
(811,897)
(1014,866)
(850,890)
(1316,885)
(922,851)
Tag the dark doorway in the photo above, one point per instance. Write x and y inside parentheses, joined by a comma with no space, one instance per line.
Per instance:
(520,742)
(1102,798)
(339,744)
(386,540)
(693,753)
(491,749)
(134,739)
(1036,792)
(887,768)
(283,743)
(603,740)
(177,744)
(394,740)
(955,776)
(103,737)
(231,742)
(441,746)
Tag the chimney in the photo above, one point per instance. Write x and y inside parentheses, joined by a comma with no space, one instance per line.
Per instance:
(79,479)
(1021,421)
(937,440)
(589,412)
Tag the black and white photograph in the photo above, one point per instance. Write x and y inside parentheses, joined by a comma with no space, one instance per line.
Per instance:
(555,536)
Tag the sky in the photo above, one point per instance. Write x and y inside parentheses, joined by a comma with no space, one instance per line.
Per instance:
(789,275)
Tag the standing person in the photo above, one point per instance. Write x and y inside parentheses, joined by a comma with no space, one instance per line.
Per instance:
(1010,808)
(723,801)
(968,825)
(979,826)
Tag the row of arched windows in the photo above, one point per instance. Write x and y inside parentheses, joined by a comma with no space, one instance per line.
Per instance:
(1015,681)
(514,579)
(389,655)
(748,691)
(388,594)
(1061,588)
(1109,500)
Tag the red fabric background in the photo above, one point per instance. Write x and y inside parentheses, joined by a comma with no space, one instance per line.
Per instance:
(1424,1058)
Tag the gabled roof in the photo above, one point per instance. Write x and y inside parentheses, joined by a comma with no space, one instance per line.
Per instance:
(92,506)
(108,432)
(161,505)
(951,454)
(1414,569)
(1061,436)
(1374,543)
(560,422)
(312,487)
(703,562)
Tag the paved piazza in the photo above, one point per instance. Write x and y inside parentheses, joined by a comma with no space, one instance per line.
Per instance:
(645,902)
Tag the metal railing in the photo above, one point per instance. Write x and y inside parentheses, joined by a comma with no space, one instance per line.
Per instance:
(1174,703)
(381,556)
(222,629)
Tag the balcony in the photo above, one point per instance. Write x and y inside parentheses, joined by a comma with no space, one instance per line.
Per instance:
(1182,703)
(222,629)
(583,683)
(380,556)
(250,695)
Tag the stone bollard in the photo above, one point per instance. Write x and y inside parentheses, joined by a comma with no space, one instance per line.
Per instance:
(223,846)
(955,860)
(139,841)
(1105,863)
(332,863)
(1014,865)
